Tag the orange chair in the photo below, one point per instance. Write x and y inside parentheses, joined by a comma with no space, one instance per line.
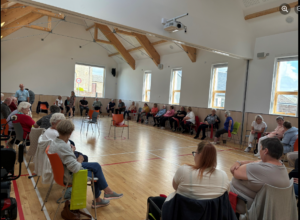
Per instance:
(116,120)
(4,126)
(58,174)
(296,145)
(43,107)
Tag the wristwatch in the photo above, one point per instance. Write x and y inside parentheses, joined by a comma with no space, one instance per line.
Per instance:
(239,162)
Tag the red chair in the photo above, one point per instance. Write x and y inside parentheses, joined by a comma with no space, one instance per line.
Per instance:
(4,127)
(116,123)
(296,145)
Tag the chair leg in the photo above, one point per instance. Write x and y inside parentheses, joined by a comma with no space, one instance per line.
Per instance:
(122,132)
(37,182)
(48,193)
(63,193)
(115,134)
(94,194)
(128,132)
(28,162)
(81,125)
(109,131)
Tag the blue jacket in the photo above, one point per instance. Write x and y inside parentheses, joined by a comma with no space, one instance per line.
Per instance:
(161,112)
(288,140)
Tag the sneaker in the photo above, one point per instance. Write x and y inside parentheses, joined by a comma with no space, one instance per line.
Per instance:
(203,137)
(114,195)
(257,155)
(247,149)
(196,137)
(104,202)
(146,122)
(142,121)
(90,179)
(162,128)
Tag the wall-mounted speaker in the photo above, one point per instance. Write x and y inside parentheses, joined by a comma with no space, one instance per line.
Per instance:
(160,66)
(113,72)
(262,55)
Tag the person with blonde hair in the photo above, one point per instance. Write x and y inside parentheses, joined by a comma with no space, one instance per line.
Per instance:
(59,103)
(72,165)
(257,126)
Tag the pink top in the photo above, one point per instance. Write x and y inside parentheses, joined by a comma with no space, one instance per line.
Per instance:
(169,113)
(278,130)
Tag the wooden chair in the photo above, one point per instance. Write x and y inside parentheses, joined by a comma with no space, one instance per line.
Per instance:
(116,123)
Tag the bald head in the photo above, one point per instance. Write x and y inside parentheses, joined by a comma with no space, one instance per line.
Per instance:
(21,87)
(7,101)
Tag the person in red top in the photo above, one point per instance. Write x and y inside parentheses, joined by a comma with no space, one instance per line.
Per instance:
(13,105)
(23,118)
(152,113)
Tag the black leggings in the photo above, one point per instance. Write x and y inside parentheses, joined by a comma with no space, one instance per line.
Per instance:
(157,120)
(220,131)
(185,126)
(163,121)
(202,127)
(174,121)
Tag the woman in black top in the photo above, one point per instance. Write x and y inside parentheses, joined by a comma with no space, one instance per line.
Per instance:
(179,115)
(111,106)
(211,119)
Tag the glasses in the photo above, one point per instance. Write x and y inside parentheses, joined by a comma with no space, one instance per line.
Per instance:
(194,153)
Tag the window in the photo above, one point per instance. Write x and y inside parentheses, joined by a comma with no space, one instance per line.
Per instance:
(218,86)
(147,87)
(89,81)
(284,99)
(175,86)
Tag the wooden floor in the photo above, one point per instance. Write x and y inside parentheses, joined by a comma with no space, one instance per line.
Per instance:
(139,167)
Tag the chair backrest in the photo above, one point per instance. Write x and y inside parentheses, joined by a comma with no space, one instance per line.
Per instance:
(8,159)
(140,110)
(236,127)
(34,135)
(43,107)
(197,121)
(4,126)
(296,145)
(19,131)
(117,119)
(95,116)
(57,167)
(90,114)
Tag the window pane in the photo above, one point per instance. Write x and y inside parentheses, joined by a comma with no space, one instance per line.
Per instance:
(90,82)
(288,76)
(176,98)
(219,100)
(177,75)
(287,103)
(148,96)
(148,78)
(221,78)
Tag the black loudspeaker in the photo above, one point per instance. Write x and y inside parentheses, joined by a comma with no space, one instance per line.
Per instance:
(113,71)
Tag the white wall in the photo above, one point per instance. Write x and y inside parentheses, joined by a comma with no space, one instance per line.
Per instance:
(195,79)
(214,24)
(261,70)
(47,67)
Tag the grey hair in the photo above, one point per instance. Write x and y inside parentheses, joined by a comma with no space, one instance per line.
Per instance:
(23,105)
(2,94)
(56,117)
(54,109)
(227,113)
(259,116)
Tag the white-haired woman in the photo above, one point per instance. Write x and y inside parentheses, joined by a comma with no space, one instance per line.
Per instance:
(257,126)
(59,103)
(228,126)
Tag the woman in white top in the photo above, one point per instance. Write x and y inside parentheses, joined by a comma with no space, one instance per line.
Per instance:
(59,103)
(257,126)
(187,120)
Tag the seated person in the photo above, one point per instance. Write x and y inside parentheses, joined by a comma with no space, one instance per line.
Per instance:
(5,110)
(83,105)
(278,132)
(2,97)
(72,165)
(200,180)
(187,120)
(67,104)
(211,119)
(292,157)
(257,126)
(159,115)
(121,107)
(152,113)
(131,108)
(59,103)
(228,126)
(97,104)
(144,111)
(111,106)
(179,116)
(250,176)
(14,103)
(24,119)
(166,117)
(51,133)
(289,137)
(44,122)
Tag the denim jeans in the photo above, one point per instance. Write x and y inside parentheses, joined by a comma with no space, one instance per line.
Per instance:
(101,184)
(296,189)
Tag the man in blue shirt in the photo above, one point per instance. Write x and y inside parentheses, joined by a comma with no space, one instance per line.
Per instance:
(22,95)
(159,115)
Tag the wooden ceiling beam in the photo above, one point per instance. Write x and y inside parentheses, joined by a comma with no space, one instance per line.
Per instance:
(191,52)
(90,27)
(140,47)
(117,44)
(49,13)
(268,11)
(103,41)
(125,32)
(148,47)
(38,28)
(15,13)
(18,24)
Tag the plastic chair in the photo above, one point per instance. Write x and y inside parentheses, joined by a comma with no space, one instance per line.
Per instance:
(255,139)
(92,121)
(235,130)
(116,120)
(58,173)
(4,130)
(34,135)
(196,125)
(296,145)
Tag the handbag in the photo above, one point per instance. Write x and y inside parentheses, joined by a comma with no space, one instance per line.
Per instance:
(79,186)
(67,214)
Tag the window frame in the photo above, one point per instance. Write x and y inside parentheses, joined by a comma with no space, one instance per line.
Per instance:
(145,90)
(275,93)
(213,80)
(104,78)
(172,86)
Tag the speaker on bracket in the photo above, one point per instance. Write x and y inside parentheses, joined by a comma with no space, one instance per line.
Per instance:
(113,71)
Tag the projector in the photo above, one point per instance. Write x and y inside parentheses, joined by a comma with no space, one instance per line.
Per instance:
(173,26)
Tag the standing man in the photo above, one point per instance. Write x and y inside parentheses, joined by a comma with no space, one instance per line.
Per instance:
(31,97)
(121,107)
(22,95)
(83,104)
(5,110)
